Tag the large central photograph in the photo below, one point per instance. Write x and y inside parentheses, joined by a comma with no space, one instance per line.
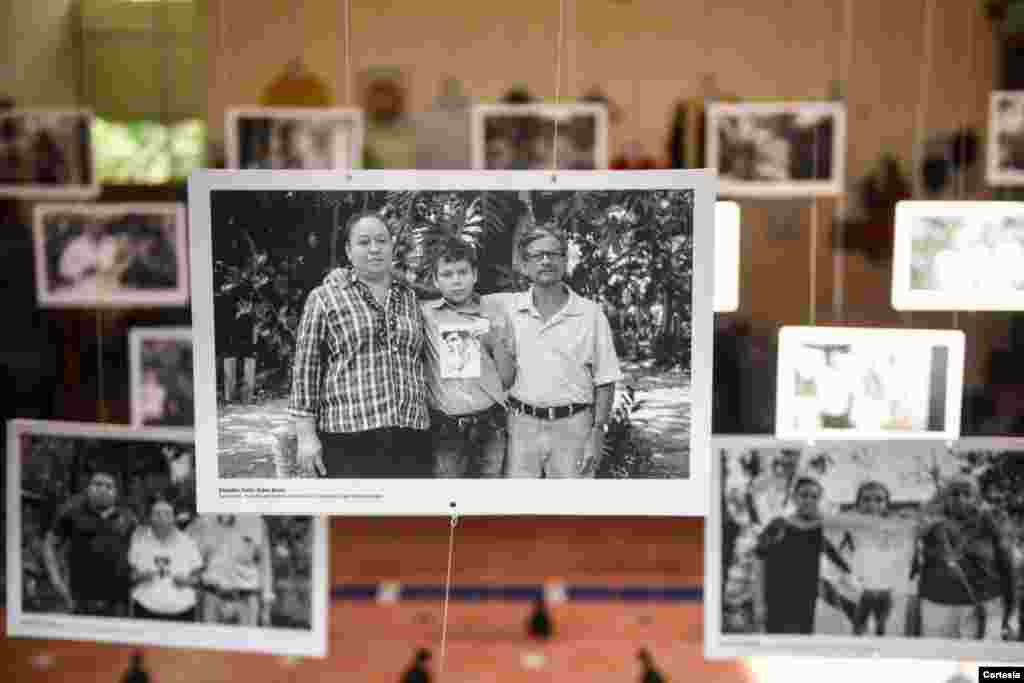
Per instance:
(398,343)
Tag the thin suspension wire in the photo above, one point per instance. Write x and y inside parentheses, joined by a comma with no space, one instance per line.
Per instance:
(447,595)
(559,49)
(348,53)
(922,96)
(838,248)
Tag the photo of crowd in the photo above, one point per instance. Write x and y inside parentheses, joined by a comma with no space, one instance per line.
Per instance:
(111,255)
(838,382)
(524,136)
(1006,139)
(872,540)
(963,255)
(470,334)
(161,370)
(787,149)
(305,139)
(47,154)
(109,529)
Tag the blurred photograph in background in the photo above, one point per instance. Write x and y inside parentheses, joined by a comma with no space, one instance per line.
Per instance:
(161,376)
(788,149)
(100,255)
(302,139)
(524,136)
(47,154)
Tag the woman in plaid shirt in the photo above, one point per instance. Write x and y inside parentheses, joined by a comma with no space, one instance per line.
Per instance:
(358,385)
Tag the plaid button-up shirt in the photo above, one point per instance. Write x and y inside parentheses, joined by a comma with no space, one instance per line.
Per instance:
(358,365)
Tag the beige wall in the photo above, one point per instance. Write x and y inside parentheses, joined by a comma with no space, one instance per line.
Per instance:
(39,44)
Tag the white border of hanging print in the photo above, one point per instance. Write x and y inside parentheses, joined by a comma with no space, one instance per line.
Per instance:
(668,497)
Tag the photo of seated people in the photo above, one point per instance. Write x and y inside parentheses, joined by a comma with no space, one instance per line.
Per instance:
(901,541)
(110,529)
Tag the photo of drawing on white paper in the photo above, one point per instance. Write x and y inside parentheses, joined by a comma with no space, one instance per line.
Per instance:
(460,350)
(910,550)
(838,382)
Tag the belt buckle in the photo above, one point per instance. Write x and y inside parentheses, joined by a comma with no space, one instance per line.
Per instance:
(551,413)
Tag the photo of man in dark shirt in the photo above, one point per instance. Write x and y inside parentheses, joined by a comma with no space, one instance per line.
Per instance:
(97,577)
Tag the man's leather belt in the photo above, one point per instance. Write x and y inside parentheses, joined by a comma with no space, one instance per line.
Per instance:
(549,413)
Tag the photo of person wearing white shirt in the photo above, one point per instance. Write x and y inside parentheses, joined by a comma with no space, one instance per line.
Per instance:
(165,568)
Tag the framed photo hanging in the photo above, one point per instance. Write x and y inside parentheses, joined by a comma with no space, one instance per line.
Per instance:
(110,255)
(437,385)
(842,548)
(299,138)
(47,154)
(1005,158)
(777,149)
(105,544)
(958,256)
(845,382)
(727,257)
(507,137)
(160,363)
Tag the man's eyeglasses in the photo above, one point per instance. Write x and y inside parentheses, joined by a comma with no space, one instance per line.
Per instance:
(538,256)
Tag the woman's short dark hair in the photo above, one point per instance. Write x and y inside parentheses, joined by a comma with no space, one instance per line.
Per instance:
(452,249)
(540,232)
(355,218)
(872,484)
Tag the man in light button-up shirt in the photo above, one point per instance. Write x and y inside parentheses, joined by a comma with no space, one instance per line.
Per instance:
(566,369)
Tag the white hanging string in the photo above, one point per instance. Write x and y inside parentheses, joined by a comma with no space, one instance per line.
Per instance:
(812,302)
(348,53)
(101,405)
(447,594)
(924,73)
(559,48)
(838,231)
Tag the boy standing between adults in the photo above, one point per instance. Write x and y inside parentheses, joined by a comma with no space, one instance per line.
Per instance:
(467,404)
(566,368)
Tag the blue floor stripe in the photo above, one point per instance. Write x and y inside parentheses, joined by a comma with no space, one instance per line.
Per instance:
(525,593)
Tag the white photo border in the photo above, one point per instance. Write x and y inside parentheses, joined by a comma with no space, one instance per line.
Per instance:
(234,114)
(40,192)
(727,256)
(163,298)
(791,336)
(772,189)
(718,645)
(479,112)
(372,497)
(137,336)
(993,175)
(906,298)
(282,641)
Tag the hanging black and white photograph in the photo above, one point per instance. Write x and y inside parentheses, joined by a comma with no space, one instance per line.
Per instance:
(529,137)
(110,255)
(1005,158)
(846,382)
(160,363)
(846,548)
(958,256)
(354,338)
(727,257)
(105,544)
(777,149)
(47,154)
(294,138)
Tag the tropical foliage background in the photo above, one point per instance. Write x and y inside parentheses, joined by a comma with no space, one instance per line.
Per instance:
(631,250)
